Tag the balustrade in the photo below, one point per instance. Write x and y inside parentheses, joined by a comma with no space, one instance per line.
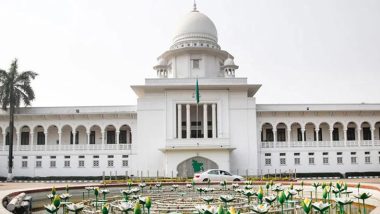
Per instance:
(300,144)
(70,147)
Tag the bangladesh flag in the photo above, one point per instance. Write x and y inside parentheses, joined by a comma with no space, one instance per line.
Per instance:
(197,91)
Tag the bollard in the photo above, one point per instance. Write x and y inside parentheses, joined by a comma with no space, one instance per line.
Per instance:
(126,175)
(295,173)
(104,177)
(268,174)
(275,173)
(115,174)
(246,173)
(172,174)
(157,176)
(110,175)
(280,174)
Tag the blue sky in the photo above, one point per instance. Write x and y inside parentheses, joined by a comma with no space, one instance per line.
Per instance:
(89,52)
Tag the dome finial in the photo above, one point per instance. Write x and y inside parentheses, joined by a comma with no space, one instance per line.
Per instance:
(195,6)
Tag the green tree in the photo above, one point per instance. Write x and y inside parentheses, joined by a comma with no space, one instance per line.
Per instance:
(15,88)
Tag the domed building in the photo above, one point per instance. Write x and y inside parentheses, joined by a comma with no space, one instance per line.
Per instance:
(196,110)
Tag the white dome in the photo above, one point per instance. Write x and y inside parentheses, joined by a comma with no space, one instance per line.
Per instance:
(229,61)
(195,26)
(162,61)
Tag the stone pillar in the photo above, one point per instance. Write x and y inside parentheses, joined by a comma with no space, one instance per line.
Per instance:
(303,131)
(4,140)
(331,136)
(345,137)
(275,135)
(31,141)
(316,134)
(289,133)
(359,140)
(373,136)
(103,139)
(188,121)
(117,137)
(205,126)
(18,140)
(46,138)
(179,121)
(74,136)
(88,137)
(59,140)
(213,108)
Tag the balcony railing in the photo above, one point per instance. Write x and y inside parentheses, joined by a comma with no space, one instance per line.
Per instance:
(74,147)
(201,143)
(299,144)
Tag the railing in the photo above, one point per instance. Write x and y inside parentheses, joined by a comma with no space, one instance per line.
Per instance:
(299,144)
(71,147)
(198,143)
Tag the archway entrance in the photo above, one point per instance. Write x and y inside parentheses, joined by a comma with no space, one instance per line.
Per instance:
(187,167)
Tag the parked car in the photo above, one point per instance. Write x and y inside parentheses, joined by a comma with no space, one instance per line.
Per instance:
(216,175)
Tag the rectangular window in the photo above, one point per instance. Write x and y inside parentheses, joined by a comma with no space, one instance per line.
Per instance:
(367,159)
(282,161)
(95,156)
(195,63)
(24,164)
(269,135)
(111,139)
(123,136)
(81,163)
(53,157)
(353,153)
(92,137)
(268,161)
(325,153)
(282,154)
(40,138)
(125,163)
(311,160)
(125,156)
(339,153)
(38,157)
(110,156)
(353,160)
(335,134)
(110,163)
(311,153)
(367,153)
(299,134)
(67,157)
(95,163)
(67,163)
(339,160)
(38,164)
(297,154)
(52,164)
(297,161)
(281,135)
(81,156)
(367,133)
(325,160)
(24,138)
(24,157)
(268,154)
(350,133)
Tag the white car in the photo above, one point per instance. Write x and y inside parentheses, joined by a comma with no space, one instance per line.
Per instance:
(216,175)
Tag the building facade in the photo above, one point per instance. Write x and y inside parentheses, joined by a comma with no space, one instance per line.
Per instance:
(167,130)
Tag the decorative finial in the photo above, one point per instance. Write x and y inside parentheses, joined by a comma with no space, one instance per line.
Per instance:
(195,6)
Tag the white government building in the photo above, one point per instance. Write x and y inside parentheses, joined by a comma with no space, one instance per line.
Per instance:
(165,132)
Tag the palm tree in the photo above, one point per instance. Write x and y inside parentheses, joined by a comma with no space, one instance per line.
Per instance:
(14,88)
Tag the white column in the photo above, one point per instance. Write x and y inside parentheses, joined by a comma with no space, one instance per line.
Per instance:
(88,137)
(179,121)
(4,139)
(359,140)
(275,135)
(316,135)
(59,140)
(345,137)
(373,136)
(117,137)
(331,136)
(31,141)
(213,107)
(289,133)
(303,131)
(46,137)
(18,140)
(188,121)
(205,126)
(74,135)
(103,138)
